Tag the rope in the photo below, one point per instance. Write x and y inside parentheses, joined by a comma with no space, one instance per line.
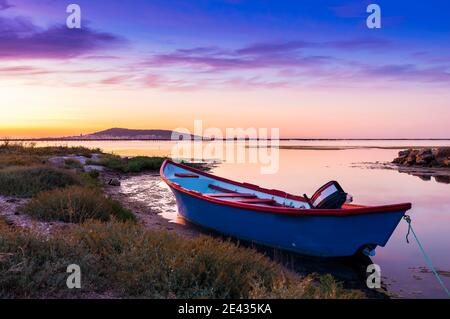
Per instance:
(427,259)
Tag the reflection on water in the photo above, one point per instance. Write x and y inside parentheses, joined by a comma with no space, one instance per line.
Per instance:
(152,192)
(303,171)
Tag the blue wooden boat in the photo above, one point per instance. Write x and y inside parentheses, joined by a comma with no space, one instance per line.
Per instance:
(278,219)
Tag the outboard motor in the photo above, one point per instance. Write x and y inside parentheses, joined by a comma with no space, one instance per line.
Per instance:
(329,196)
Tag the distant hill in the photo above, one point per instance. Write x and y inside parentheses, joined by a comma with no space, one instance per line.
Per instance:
(130,134)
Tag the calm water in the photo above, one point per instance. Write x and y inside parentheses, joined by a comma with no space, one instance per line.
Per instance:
(303,171)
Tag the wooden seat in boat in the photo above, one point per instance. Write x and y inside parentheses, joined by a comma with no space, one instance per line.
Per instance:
(246,195)
(258,201)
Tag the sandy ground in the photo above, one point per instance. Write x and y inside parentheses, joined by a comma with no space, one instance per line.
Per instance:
(150,199)
(9,211)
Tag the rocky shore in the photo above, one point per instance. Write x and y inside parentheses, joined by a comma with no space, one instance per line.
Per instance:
(425,157)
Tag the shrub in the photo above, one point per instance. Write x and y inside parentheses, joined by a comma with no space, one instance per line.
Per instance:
(75,205)
(94,174)
(27,182)
(72,163)
(7,160)
(128,261)
(134,165)
(144,163)
(8,147)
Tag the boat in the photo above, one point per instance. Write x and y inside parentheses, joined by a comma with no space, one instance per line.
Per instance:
(278,219)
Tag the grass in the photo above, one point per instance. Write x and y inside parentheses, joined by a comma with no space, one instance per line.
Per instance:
(137,164)
(125,260)
(132,165)
(71,163)
(29,181)
(75,205)
(8,160)
(21,154)
(30,149)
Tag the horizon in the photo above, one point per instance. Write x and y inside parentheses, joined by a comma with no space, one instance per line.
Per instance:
(83,136)
(230,63)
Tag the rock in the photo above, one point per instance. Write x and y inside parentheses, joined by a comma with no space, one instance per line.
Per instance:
(424,157)
(441,152)
(398,160)
(425,151)
(442,179)
(410,160)
(423,177)
(420,161)
(57,161)
(81,159)
(446,163)
(114,182)
(98,168)
(96,157)
(404,153)
(428,157)
(438,157)
(61,160)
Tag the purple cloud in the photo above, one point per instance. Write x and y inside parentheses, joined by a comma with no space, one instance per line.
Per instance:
(269,48)
(410,72)
(257,56)
(4,4)
(21,39)
(286,64)
(262,55)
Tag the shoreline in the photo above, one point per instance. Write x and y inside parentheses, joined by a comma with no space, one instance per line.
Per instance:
(338,148)
(441,175)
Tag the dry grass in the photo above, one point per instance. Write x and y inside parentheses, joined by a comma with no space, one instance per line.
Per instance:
(128,261)
(8,160)
(75,205)
(21,154)
(28,181)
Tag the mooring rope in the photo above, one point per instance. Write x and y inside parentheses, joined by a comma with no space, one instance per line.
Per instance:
(427,259)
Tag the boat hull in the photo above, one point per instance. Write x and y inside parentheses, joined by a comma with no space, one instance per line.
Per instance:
(324,236)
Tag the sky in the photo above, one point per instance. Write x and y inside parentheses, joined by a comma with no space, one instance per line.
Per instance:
(313,69)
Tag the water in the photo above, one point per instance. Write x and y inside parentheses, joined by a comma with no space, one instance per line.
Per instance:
(303,171)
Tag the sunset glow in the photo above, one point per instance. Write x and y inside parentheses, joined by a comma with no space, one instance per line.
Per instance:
(312,71)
